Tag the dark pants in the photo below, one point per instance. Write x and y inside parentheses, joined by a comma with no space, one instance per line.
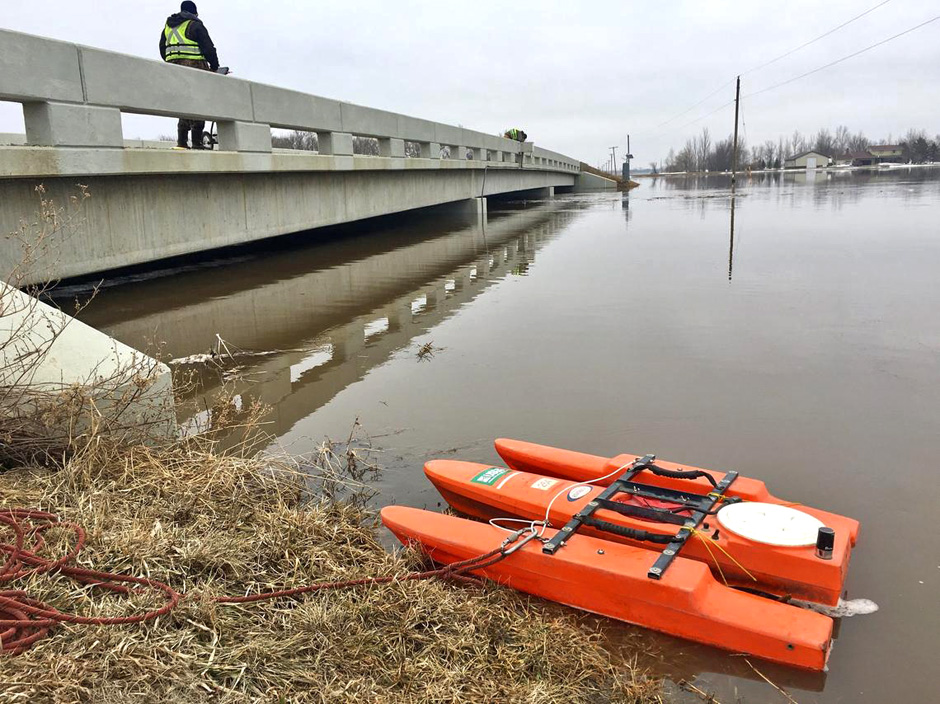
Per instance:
(183,129)
(186,126)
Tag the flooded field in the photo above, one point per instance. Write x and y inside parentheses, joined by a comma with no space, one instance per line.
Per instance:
(802,348)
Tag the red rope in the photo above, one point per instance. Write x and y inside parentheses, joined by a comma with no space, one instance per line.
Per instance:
(24,620)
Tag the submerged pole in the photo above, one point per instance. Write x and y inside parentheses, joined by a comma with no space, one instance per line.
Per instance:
(734,149)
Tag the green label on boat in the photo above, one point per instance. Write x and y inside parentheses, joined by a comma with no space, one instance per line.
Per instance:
(489,476)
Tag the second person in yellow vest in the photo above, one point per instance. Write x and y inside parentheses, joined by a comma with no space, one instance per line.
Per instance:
(185,41)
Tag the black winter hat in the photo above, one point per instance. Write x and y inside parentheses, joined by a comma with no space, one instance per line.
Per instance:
(188,6)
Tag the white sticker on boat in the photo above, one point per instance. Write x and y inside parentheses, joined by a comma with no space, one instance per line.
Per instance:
(502,483)
(544,483)
(578,492)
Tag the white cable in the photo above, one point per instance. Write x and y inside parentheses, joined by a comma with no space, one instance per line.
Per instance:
(493,522)
(545,522)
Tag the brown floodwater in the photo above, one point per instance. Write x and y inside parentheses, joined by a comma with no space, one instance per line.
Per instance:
(803,349)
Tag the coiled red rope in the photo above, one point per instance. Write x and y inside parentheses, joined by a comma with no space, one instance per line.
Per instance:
(24,620)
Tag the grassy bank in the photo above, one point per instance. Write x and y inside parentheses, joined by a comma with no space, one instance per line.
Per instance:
(211,524)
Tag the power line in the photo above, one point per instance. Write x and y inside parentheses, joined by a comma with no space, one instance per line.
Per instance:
(813,41)
(844,58)
(699,119)
(688,110)
(757,68)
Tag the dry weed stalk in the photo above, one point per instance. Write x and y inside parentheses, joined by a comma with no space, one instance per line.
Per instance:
(44,417)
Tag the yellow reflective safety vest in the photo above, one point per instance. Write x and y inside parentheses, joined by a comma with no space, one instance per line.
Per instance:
(178,46)
(513,133)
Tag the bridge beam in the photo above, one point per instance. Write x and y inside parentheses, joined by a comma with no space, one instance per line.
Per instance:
(136,219)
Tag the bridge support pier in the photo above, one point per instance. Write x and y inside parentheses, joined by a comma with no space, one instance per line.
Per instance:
(534,194)
(61,125)
(347,342)
(474,207)
(398,316)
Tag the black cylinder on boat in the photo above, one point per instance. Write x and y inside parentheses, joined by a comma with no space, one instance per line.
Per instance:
(825,541)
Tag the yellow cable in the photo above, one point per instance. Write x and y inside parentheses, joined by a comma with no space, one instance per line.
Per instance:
(712,555)
(705,538)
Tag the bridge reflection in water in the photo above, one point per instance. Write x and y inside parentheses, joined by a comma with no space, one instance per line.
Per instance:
(326,314)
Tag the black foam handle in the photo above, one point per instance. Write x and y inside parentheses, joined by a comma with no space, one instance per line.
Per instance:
(631,533)
(681,474)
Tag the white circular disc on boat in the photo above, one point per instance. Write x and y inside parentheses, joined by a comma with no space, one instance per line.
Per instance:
(771,524)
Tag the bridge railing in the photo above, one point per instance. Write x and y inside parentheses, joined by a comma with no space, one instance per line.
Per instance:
(73,96)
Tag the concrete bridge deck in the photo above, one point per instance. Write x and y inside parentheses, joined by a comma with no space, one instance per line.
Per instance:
(149,204)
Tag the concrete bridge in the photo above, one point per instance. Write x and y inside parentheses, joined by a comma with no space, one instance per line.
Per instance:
(149,204)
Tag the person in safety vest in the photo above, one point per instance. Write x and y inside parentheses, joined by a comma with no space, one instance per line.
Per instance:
(516,134)
(186,42)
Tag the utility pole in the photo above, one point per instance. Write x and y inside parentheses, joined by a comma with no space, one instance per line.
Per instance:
(734,149)
(626,163)
(613,160)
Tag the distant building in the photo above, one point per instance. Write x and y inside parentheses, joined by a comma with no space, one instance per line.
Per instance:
(807,160)
(879,154)
(863,158)
(887,153)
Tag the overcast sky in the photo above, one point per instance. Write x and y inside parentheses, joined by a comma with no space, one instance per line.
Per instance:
(577,76)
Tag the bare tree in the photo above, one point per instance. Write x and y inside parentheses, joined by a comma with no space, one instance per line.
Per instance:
(296,139)
(857,142)
(685,160)
(720,158)
(367,146)
(768,152)
(824,142)
(916,147)
(797,143)
(841,139)
(704,149)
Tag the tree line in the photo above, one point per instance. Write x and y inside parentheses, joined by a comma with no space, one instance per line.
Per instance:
(703,153)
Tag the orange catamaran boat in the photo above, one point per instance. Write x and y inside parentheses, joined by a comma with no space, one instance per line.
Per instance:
(750,538)
(610,579)
(704,555)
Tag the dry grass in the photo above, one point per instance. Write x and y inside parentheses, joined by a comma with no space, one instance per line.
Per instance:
(212,524)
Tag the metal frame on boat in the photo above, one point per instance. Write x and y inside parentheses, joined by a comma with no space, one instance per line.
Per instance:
(700,506)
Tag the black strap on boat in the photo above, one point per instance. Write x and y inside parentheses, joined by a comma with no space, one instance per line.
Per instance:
(632,533)
(669,554)
(697,506)
(642,512)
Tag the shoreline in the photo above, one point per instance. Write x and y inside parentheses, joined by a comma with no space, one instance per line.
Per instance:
(209,524)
